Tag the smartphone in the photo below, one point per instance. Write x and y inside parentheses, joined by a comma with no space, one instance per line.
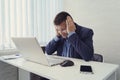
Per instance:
(86,69)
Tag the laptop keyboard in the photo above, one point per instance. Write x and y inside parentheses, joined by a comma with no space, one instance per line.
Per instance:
(54,60)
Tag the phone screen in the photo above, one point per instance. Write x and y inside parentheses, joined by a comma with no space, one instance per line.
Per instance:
(86,68)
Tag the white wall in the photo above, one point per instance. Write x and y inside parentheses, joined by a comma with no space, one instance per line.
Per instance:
(103,17)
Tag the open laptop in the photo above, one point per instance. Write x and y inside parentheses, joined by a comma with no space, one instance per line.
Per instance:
(31,50)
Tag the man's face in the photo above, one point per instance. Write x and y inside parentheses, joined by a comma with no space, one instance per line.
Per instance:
(62,29)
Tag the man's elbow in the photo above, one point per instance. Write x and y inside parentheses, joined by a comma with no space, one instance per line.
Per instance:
(88,57)
(49,51)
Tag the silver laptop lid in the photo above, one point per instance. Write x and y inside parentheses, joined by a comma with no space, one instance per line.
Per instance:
(30,49)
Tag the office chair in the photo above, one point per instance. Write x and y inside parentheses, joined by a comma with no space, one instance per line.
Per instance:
(43,48)
(97,57)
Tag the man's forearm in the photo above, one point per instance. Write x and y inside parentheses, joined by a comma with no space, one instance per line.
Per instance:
(52,46)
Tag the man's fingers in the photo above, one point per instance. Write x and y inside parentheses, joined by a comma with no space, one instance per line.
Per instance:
(69,19)
(67,24)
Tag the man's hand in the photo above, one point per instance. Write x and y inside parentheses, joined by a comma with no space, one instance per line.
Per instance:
(57,33)
(70,25)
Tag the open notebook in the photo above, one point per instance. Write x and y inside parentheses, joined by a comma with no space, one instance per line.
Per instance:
(31,50)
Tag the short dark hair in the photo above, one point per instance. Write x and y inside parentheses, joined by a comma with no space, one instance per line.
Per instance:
(60,17)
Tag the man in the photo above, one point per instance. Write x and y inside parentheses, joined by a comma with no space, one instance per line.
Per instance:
(71,40)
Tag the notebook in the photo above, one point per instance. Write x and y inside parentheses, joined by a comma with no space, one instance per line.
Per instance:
(30,49)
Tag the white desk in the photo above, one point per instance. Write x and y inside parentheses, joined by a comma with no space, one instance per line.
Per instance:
(102,71)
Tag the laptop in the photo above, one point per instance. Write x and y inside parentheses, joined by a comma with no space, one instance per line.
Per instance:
(31,50)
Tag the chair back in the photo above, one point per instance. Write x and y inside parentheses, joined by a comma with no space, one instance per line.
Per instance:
(97,57)
(43,48)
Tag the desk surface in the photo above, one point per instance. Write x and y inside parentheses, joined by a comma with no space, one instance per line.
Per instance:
(101,70)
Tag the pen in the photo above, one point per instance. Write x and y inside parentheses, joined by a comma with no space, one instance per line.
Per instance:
(9,58)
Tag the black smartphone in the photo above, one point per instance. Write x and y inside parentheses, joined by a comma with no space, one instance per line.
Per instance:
(86,69)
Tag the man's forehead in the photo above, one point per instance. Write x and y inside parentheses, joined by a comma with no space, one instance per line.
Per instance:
(62,25)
